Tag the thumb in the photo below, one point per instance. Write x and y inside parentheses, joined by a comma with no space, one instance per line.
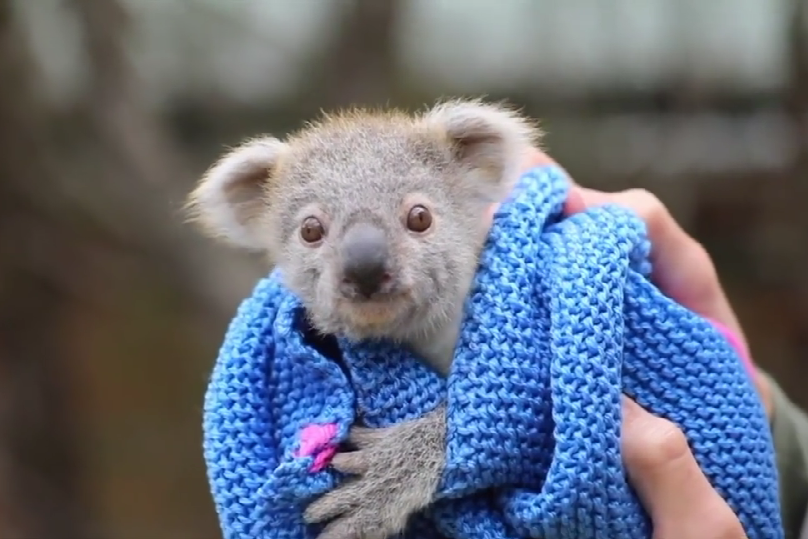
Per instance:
(678,496)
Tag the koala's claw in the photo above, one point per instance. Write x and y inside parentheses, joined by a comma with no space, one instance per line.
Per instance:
(360,524)
(344,499)
(354,462)
(397,472)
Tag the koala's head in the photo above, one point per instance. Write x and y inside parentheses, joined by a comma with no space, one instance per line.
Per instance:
(375,219)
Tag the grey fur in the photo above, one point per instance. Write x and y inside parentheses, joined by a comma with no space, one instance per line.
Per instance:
(457,159)
(398,471)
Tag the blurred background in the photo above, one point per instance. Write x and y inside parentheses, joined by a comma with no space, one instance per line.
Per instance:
(112,309)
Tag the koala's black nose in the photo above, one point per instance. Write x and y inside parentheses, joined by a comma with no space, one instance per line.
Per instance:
(364,255)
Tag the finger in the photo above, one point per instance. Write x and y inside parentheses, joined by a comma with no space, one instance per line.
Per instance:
(536,158)
(672,248)
(656,454)
(575,202)
(333,504)
(364,437)
(677,495)
(353,462)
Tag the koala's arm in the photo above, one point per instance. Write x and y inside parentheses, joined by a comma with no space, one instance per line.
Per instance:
(398,471)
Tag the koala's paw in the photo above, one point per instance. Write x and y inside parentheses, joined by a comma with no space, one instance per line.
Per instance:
(398,470)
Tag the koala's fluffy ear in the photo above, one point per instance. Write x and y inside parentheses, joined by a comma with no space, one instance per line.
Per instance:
(231,199)
(489,139)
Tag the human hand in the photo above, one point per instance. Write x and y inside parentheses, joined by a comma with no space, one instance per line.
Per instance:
(680,500)
(682,268)
(678,497)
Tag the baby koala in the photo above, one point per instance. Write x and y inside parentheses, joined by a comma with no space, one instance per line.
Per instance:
(376,221)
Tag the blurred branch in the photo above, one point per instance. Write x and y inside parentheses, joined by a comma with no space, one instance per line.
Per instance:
(133,176)
(360,66)
(222,16)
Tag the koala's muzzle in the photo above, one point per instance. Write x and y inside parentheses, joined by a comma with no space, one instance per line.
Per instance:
(365,256)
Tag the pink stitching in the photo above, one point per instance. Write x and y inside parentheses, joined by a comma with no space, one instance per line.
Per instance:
(317,440)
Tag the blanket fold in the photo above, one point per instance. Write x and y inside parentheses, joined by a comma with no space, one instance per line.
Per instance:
(561,319)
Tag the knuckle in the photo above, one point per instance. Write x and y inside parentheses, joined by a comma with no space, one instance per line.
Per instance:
(715,521)
(647,205)
(726,525)
(662,442)
(708,285)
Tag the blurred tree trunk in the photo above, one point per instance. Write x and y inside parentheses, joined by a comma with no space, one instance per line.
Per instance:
(794,193)
(796,190)
(39,471)
(86,226)
(780,229)
(784,226)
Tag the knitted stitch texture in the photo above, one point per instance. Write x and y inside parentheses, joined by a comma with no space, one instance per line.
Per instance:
(560,320)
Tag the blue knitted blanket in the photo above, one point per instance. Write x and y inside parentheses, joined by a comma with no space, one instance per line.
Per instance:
(561,319)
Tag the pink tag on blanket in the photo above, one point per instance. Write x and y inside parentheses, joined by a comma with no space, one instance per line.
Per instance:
(318,441)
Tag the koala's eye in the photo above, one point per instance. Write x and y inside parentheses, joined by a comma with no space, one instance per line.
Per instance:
(419,219)
(312,230)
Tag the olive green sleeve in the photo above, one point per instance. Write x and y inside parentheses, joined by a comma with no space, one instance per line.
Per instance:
(790,432)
